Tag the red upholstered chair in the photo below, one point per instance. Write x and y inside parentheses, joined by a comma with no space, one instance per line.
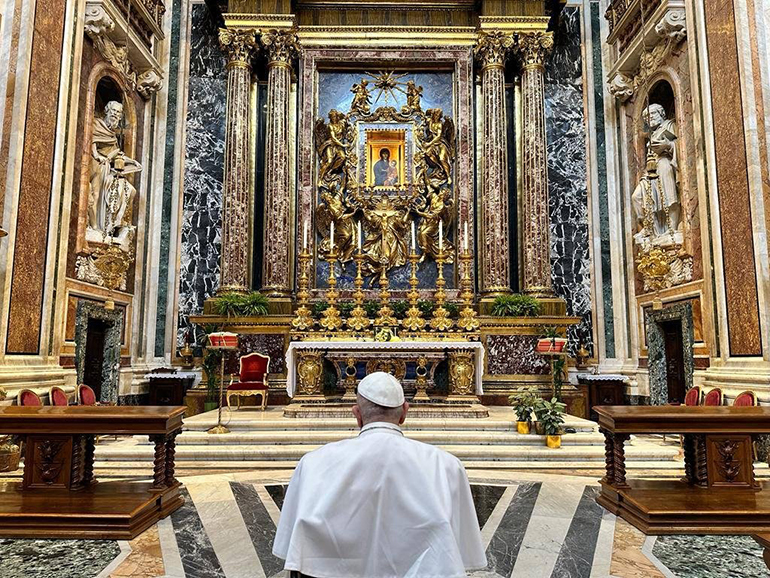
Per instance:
(252,379)
(86,395)
(746,398)
(713,397)
(28,397)
(58,397)
(692,397)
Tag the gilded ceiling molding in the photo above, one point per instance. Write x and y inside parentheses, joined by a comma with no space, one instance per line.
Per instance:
(493,48)
(238,45)
(533,48)
(671,31)
(282,46)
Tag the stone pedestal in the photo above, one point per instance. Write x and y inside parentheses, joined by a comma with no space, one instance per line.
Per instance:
(239,45)
(532,48)
(282,47)
(491,52)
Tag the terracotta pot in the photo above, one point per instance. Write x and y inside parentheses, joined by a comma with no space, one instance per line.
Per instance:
(522,427)
(553,442)
(550,345)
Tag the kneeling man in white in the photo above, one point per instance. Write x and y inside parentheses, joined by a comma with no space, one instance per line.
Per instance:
(379,505)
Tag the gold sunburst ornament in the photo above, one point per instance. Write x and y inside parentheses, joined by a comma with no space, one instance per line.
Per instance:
(387,83)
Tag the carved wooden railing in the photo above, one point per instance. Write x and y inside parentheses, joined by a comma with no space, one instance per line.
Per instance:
(619,9)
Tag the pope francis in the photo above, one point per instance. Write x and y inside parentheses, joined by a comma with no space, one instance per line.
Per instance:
(379,505)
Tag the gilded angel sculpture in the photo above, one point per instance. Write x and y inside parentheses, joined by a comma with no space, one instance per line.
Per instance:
(386,243)
(438,145)
(361,100)
(438,209)
(413,95)
(333,208)
(331,148)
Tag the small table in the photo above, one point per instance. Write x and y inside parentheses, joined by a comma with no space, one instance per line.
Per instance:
(718,495)
(170,387)
(59,496)
(603,389)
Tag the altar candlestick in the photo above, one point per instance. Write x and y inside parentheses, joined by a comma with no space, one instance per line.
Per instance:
(331,237)
(414,240)
(465,243)
(441,235)
(359,236)
(304,238)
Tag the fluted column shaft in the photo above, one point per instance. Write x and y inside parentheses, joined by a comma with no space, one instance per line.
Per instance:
(234,270)
(533,48)
(282,48)
(491,52)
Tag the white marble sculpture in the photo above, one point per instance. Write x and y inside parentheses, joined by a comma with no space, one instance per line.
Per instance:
(111,194)
(655,201)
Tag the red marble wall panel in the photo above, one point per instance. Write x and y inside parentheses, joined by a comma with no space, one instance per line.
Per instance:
(732,181)
(29,259)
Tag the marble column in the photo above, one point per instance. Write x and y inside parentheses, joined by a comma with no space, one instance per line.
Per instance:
(491,52)
(532,48)
(282,48)
(239,45)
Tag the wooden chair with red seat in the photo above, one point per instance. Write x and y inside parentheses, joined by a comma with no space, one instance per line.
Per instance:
(692,397)
(714,397)
(252,379)
(86,395)
(29,398)
(58,396)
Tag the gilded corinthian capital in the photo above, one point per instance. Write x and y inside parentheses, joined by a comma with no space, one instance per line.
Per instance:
(238,45)
(533,47)
(493,47)
(282,46)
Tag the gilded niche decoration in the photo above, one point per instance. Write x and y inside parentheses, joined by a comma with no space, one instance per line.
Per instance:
(381,170)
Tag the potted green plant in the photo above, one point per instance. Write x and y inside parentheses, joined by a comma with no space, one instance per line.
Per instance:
(233,304)
(552,419)
(539,410)
(551,341)
(523,403)
(515,305)
(557,367)
(211,367)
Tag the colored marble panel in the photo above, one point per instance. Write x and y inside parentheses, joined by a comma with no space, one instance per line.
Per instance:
(567,177)
(710,556)
(271,345)
(204,171)
(55,558)
(29,258)
(514,355)
(732,179)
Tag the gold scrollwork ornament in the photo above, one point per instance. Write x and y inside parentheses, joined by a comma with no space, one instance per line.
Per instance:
(309,372)
(461,373)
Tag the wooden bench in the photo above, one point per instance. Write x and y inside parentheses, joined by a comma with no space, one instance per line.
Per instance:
(58,496)
(719,493)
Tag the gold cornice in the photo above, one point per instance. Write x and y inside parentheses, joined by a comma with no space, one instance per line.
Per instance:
(400,5)
(332,36)
(260,21)
(514,23)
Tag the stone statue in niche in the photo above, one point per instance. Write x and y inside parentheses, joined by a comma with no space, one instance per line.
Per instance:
(656,204)
(111,195)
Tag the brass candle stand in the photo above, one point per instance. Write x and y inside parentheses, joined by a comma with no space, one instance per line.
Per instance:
(358,320)
(468,320)
(331,320)
(385,317)
(303,319)
(413,320)
(440,320)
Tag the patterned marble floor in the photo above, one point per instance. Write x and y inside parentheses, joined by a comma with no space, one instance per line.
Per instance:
(533,526)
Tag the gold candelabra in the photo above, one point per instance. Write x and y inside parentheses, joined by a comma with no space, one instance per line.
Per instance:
(468,320)
(303,319)
(413,320)
(385,317)
(440,320)
(358,320)
(331,320)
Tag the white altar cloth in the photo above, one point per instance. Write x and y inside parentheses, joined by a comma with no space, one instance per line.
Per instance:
(383,346)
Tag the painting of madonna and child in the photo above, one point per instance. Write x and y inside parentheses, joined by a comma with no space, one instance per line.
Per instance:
(385,159)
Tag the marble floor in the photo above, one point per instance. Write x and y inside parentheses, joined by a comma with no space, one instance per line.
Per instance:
(534,525)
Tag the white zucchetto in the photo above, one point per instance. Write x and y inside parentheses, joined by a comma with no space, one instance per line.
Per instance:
(382,388)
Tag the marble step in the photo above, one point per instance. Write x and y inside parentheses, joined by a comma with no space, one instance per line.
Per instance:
(251,422)
(135,452)
(239,437)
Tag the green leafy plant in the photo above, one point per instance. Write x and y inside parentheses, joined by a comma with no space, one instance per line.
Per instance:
(318,308)
(211,365)
(540,408)
(371,307)
(241,304)
(400,308)
(426,307)
(523,403)
(552,417)
(558,376)
(453,309)
(228,304)
(253,304)
(550,332)
(516,305)
(346,307)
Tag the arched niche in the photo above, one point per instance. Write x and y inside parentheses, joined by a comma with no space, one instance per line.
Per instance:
(663,91)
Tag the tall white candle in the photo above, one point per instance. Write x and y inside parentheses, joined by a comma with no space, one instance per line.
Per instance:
(304,238)
(359,236)
(331,237)
(414,239)
(466,237)
(441,235)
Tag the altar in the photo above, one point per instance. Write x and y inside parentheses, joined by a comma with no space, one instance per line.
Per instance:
(465,359)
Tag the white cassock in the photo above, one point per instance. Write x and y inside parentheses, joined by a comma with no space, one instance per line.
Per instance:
(379,506)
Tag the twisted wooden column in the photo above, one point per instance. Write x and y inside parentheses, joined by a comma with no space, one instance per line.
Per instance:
(619,460)
(282,47)
(170,458)
(159,463)
(491,52)
(532,48)
(609,456)
(239,45)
